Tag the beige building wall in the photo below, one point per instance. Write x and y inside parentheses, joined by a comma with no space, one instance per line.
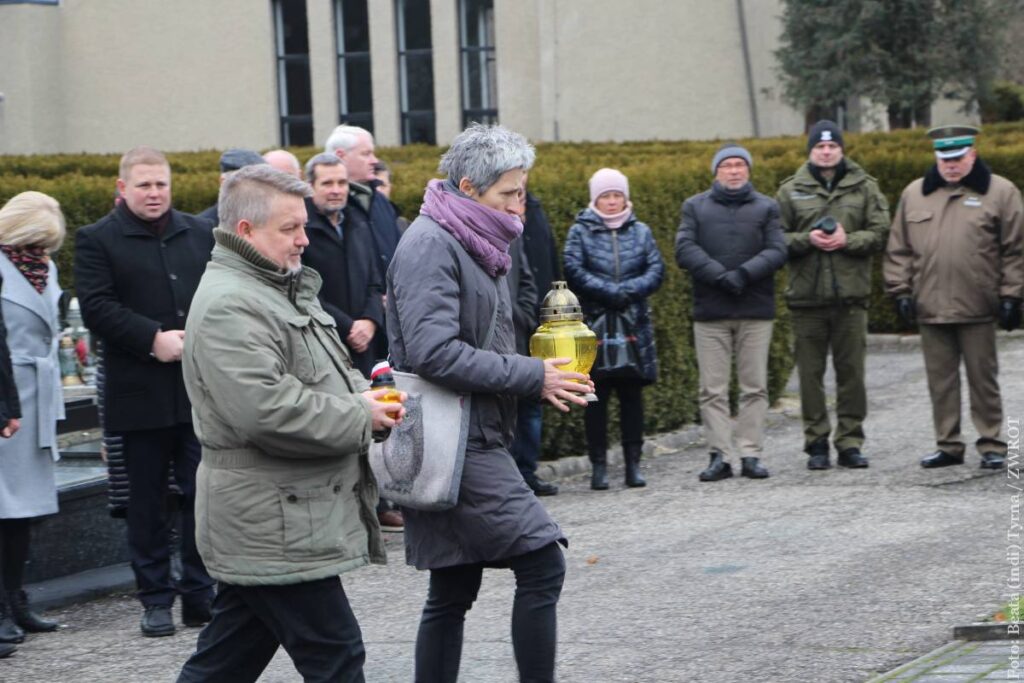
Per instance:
(679,76)
(323,67)
(32,107)
(180,75)
(444,30)
(384,72)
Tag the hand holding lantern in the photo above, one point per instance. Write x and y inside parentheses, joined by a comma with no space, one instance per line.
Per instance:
(563,336)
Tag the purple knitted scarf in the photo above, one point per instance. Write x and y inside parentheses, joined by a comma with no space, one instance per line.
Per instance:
(483,232)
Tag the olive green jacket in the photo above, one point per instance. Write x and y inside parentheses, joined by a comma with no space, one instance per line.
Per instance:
(819,278)
(284,491)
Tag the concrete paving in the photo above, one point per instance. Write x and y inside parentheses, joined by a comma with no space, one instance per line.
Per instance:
(842,575)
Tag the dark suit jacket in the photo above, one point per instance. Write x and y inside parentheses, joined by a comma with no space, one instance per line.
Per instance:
(130,284)
(352,287)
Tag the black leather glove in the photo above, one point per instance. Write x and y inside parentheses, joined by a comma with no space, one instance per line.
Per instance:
(1009,313)
(733,281)
(620,301)
(907,311)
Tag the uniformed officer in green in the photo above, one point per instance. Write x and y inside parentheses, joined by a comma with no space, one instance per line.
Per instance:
(834,218)
(954,266)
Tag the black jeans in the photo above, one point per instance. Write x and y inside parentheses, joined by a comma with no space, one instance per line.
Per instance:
(312,621)
(148,457)
(453,590)
(631,414)
(526,446)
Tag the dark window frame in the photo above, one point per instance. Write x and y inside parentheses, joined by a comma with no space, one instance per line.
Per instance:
(288,121)
(409,117)
(486,54)
(344,57)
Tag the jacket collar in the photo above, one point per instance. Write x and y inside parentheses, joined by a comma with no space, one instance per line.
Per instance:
(135,226)
(17,289)
(855,175)
(318,221)
(590,220)
(360,194)
(232,251)
(979,179)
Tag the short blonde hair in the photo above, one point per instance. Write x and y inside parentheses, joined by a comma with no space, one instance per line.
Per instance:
(32,219)
(138,156)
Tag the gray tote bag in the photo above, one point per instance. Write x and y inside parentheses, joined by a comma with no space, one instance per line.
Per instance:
(419,465)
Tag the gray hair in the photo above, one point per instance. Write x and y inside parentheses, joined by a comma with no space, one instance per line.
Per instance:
(345,137)
(248,193)
(321,159)
(484,153)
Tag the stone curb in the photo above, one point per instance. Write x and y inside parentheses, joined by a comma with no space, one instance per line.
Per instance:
(988,631)
(658,444)
(903,342)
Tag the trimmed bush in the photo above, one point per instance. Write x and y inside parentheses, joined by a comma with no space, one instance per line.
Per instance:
(661,174)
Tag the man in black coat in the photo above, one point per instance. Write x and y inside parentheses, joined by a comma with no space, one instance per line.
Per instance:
(230,161)
(731,242)
(136,270)
(341,250)
(541,256)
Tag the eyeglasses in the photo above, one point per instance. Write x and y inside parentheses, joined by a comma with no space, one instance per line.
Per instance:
(732,165)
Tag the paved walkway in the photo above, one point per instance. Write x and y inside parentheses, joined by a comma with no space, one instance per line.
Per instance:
(809,577)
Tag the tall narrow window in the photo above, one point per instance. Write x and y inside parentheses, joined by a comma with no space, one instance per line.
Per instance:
(479,73)
(355,91)
(416,71)
(294,91)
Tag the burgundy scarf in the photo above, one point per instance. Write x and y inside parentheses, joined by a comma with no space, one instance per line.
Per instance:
(32,262)
(483,232)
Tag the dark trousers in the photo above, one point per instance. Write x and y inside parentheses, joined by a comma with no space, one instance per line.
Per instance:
(944,347)
(312,621)
(14,542)
(526,447)
(844,331)
(631,414)
(148,455)
(453,590)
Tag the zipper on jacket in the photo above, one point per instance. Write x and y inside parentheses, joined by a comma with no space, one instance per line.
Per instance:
(615,252)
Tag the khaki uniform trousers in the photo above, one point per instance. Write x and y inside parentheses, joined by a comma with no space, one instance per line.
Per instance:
(944,346)
(844,330)
(717,342)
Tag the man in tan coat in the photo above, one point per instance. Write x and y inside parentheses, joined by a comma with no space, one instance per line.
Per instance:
(954,266)
(285,496)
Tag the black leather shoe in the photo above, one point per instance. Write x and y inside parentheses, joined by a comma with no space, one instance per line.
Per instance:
(157,621)
(599,476)
(941,459)
(752,467)
(9,631)
(26,618)
(818,461)
(195,614)
(717,468)
(993,461)
(542,488)
(852,457)
(6,650)
(631,453)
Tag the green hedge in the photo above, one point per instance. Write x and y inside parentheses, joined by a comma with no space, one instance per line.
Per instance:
(661,174)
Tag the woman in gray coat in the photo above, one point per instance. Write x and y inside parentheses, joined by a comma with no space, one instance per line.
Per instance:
(447,295)
(31,228)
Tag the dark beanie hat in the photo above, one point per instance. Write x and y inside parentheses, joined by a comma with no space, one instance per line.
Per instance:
(824,131)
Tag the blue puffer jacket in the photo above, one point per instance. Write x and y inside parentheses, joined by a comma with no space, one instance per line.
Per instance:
(616,269)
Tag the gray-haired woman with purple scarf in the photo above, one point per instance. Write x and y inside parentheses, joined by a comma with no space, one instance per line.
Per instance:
(446,285)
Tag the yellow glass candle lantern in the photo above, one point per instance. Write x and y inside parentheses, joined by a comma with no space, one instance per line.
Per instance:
(562,333)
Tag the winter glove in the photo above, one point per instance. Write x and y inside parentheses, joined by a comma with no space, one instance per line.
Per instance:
(620,301)
(907,311)
(1009,313)
(733,282)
